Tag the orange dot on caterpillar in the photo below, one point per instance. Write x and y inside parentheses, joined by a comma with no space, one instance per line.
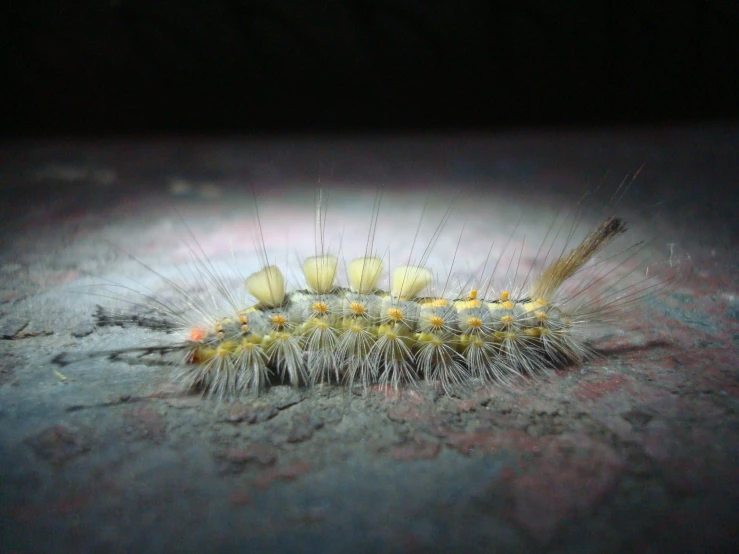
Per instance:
(198,334)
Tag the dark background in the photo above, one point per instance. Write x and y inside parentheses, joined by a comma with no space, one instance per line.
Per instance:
(213,66)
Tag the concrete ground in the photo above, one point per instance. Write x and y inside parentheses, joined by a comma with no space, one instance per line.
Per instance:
(634,451)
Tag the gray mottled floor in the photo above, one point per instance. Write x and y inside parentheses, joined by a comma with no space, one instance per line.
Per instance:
(635,450)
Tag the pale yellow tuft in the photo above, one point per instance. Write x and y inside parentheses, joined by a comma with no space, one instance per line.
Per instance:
(267,286)
(409,281)
(364,274)
(320,273)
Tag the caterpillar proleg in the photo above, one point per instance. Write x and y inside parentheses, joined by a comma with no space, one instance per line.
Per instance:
(373,317)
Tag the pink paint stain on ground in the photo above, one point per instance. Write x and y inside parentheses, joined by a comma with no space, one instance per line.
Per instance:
(571,476)
(417,450)
(290,472)
(593,390)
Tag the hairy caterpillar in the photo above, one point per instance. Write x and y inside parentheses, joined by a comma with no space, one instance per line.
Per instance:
(388,325)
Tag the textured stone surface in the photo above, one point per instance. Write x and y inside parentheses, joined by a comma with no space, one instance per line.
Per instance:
(637,450)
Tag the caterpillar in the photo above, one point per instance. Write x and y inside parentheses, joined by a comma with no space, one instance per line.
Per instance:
(390,326)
